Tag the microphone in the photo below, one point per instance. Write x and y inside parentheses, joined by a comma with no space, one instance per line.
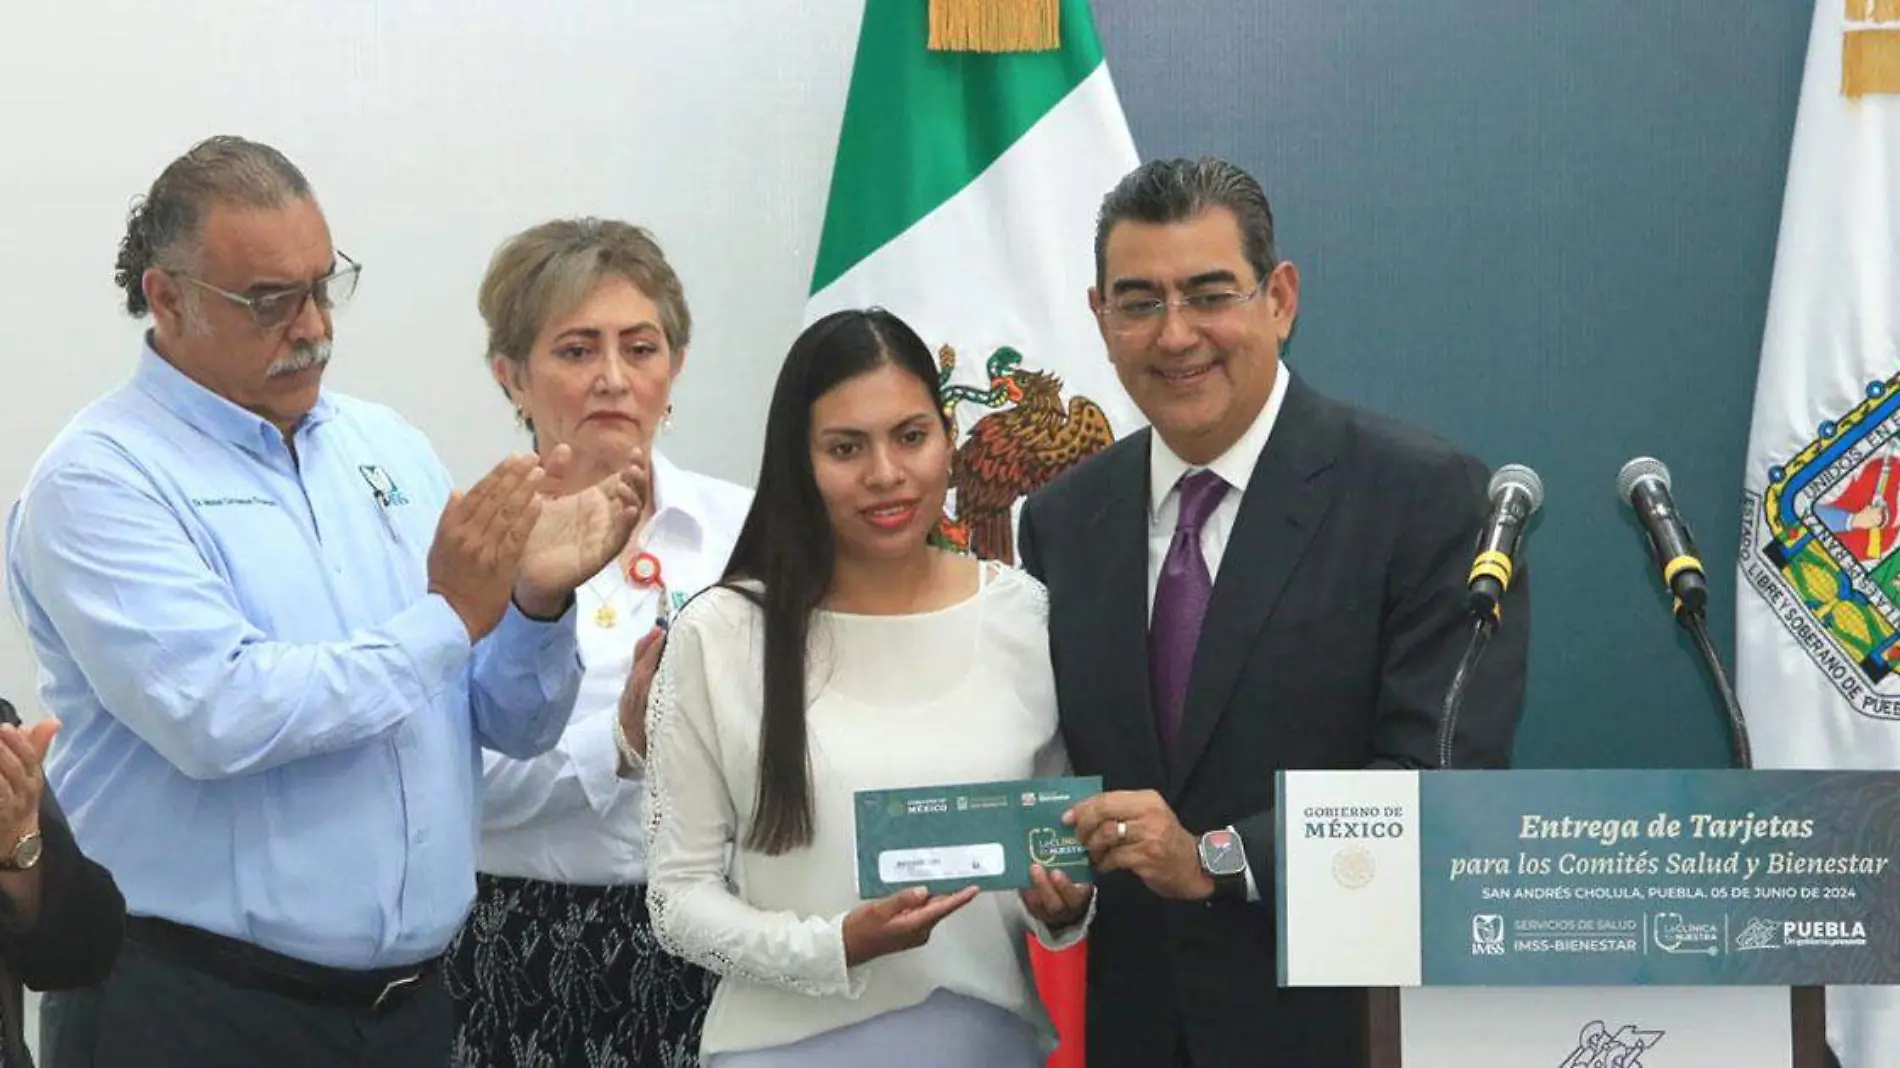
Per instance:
(1516,493)
(1644,483)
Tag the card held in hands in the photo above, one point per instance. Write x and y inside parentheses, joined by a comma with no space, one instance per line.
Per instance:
(985,835)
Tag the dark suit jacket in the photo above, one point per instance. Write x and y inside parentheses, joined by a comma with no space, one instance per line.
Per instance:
(1336,623)
(76,937)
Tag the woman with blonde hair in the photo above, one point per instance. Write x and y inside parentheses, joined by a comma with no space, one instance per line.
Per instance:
(557,964)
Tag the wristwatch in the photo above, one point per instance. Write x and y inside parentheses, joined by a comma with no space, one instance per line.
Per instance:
(1224,859)
(25,853)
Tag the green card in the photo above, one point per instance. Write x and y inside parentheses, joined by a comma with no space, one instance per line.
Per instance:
(984,834)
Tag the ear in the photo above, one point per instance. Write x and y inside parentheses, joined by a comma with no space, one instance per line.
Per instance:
(1283,297)
(1095,310)
(165,297)
(511,376)
(679,361)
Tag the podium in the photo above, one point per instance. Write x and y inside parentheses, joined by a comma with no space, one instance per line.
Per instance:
(1590,919)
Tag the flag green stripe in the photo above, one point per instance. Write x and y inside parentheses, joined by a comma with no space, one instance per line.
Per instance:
(920,125)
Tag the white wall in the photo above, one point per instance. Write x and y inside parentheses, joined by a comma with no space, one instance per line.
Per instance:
(431,130)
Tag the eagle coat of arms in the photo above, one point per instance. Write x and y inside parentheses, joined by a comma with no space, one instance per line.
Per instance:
(1030,438)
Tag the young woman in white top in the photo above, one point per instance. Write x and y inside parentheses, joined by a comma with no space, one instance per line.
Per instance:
(557,963)
(844,652)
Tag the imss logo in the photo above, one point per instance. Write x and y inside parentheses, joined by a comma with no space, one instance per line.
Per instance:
(1487,935)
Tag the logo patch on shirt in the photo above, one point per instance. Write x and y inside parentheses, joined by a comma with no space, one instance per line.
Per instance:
(388,494)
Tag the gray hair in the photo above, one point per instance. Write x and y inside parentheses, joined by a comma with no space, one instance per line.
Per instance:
(163,227)
(1177,190)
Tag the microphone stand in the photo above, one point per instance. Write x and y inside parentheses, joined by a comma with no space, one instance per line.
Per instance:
(1741,754)
(1481,629)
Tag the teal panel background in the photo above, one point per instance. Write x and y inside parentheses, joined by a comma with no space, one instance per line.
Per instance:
(1543,230)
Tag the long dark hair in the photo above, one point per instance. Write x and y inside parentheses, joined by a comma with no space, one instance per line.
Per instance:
(787,547)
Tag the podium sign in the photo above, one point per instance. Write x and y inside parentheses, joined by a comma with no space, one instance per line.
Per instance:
(1589,878)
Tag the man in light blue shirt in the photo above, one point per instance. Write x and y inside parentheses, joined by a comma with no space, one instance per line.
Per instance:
(278,641)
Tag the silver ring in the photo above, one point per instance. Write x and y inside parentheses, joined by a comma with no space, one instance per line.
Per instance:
(1121,831)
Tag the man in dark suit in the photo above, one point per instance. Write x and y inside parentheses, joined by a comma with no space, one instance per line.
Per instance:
(61,915)
(1264,579)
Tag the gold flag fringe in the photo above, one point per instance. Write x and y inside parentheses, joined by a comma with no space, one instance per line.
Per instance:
(995,25)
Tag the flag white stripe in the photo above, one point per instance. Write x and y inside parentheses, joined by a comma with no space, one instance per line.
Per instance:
(1009,259)
(1831,332)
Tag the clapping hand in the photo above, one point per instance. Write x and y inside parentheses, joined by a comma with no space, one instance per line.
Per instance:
(22,777)
(479,540)
(577,534)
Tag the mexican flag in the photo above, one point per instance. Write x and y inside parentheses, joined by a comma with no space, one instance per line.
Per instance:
(1818,607)
(963,200)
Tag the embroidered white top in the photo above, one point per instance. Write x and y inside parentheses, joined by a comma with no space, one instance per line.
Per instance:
(564,816)
(960,694)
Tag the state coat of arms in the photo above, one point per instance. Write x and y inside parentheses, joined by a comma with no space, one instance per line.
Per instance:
(1820,548)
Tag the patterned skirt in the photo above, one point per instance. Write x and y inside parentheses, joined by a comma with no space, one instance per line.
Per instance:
(546,975)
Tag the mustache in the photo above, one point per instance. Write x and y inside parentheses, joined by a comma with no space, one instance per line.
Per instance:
(303,356)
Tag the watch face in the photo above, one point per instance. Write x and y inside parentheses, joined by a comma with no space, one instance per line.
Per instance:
(27,853)
(1221,853)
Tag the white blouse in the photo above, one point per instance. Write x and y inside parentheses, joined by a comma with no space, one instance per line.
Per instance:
(565,816)
(962,694)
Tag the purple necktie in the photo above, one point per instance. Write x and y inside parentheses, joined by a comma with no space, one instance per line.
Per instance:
(1181,597)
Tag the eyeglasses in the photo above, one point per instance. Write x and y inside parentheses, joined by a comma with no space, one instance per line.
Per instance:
(1137,315)
(273,308)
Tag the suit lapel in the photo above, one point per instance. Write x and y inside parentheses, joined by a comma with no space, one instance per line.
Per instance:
(1286,498)
(1117,609)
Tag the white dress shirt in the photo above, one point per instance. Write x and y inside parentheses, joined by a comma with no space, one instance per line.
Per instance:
(566,816)
(1235,467)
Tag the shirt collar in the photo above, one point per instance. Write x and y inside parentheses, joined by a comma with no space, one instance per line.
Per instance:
(177,393)
(1235,466)
(677,503)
